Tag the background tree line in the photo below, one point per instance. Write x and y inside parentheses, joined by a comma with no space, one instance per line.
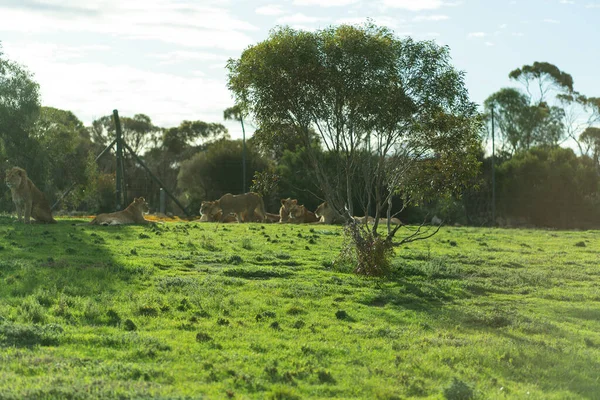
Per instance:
(540,179)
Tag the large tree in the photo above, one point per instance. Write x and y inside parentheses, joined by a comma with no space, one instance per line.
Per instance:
(392,111)
(520,124)
(138,131)
(19,110)
(548,112)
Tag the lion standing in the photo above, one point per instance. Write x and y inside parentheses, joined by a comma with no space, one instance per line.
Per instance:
(29,200)
(243,205)
(133,214)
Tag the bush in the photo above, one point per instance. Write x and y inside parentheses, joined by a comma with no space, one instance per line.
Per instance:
(369,253)
(549,187)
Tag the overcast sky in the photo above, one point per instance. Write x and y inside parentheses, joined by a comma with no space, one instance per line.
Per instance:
(166,58)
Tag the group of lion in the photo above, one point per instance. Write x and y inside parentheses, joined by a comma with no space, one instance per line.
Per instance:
(31,203)
(249,207)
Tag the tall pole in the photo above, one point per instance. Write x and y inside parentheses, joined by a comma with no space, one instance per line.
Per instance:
(119,177)
(493,172)
(243,156)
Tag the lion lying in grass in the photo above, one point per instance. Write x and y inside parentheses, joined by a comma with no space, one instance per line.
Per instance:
(286,207)
(133,214)
(300,215)
(382,221)
(210,212)
(29,200)
(327,215)
(247,207)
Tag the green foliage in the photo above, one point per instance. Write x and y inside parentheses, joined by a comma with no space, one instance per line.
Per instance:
(590,138)
(549,187)
(521,125)
(138,131)
(218,170)
(19,109)
(370,254)
(266,183)
(458,390)
(392,114)
(545,76)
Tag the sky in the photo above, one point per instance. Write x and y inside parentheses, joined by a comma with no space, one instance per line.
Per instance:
(166,58)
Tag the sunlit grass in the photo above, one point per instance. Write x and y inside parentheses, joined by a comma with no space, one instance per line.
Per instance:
(260,311)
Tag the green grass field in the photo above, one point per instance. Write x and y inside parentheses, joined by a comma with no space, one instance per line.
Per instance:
(251,311)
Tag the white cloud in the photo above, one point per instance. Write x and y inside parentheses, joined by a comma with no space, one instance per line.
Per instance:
(91,90)
(190,24)
(567,2)
(60,52)
(393,23)
(270,9)
(175,57)
(324,3)
(592,5)
(503,26)
(477,34)
(518,34)
(418,5)
(489,43)
(551,21)
(298,18)
(430,18)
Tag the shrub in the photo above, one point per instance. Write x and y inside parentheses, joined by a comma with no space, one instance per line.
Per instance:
(458,390)
(370,253)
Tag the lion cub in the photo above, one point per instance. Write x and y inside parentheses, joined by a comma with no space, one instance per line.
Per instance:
(133,214)
(286,207)
(28,199)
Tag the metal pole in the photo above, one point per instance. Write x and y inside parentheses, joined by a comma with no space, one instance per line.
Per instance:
(158,181)
(75,183)
(119,160)
(493,172)
(243,156)
(163,201)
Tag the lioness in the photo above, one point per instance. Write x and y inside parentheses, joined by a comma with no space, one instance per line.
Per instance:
(28,199)
(362,220)
(326,214)
(133,214)
(211,212)
(299,215)
(393,221)
(284,211)
(382,221)
(272,217)
(243,205)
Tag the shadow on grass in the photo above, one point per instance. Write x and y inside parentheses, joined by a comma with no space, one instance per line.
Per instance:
(257,273)
(51,275)
(74,260)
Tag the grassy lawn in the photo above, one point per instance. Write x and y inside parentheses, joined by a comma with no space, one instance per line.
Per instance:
(188,310)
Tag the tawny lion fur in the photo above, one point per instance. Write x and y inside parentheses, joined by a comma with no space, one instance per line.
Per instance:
(29,200)
(300,215)
(244,206)
(286,206)
(133,214)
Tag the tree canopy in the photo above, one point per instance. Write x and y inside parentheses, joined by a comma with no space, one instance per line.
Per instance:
(391,109)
